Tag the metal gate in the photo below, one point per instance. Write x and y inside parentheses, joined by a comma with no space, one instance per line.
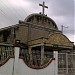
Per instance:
(66,64)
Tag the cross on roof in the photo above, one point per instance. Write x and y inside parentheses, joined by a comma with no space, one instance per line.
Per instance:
(43,7)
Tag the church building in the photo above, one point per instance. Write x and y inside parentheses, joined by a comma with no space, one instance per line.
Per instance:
(29,47)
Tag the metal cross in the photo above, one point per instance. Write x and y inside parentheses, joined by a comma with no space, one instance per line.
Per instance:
(43,7)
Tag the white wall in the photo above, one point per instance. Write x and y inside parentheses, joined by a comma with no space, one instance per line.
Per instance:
(23,69)
(20,68)
(7,68)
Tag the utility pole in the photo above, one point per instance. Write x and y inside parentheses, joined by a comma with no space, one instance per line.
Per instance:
(62,28)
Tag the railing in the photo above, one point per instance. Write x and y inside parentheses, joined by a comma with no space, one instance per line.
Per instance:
(63,71)
(66,64)
(35,60)
(6,51)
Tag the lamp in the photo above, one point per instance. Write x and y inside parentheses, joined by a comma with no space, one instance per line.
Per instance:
(17,41)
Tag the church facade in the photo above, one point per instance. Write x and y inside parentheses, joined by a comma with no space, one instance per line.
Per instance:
(38,37)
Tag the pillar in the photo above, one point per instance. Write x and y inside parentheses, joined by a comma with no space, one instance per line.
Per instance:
(29,33)
(56,62)
(30,54)
(42,54)
(66,63)
(15,62)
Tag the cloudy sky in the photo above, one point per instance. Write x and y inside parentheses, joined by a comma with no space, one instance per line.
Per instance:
(61,11)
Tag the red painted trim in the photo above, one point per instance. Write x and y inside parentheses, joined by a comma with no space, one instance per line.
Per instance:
(37,67)
(16,45)
(5,61)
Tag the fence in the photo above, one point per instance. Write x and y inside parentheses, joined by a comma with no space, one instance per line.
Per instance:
(66,64)
(6,51)
(66,61)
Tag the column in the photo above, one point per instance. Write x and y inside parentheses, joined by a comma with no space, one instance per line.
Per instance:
(15,62)
(30,54)
(0,54)
(3,53)
(29,32)
(42,54)
(34,20)
(56,62)
(66,63)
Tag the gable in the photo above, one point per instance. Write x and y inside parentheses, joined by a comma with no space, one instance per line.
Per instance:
(59,39)
(54,39)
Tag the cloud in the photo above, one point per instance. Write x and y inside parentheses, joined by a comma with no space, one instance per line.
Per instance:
(61,11)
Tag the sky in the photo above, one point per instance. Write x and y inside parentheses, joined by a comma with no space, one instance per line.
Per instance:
(61,11)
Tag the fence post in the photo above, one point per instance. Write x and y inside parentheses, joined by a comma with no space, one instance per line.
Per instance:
(56,62)
(66,63)
(16,60)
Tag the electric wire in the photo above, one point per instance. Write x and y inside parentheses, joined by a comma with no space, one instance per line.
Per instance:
(22,7)
(8,8)
(3,13)
(15,10)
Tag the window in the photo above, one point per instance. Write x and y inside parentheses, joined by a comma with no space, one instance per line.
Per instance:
(5,35)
